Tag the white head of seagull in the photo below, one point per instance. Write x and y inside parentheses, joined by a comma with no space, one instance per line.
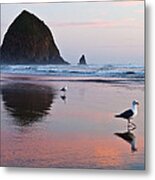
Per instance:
(135,102)
(130,113)
(134,107)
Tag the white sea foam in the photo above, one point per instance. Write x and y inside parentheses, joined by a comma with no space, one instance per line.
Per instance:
(107,70)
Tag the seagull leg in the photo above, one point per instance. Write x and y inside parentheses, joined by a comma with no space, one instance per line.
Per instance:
(134,125)
(129,124)
(129,121)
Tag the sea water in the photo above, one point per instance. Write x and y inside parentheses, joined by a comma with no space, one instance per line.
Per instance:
(127,71)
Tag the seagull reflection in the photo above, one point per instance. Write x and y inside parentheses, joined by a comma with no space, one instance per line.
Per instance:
(63,97)
(129,137)
(26,102)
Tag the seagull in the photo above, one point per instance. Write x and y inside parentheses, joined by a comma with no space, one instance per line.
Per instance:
(64,89)
(130,113)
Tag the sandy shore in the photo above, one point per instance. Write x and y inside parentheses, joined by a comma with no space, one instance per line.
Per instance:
(43,127)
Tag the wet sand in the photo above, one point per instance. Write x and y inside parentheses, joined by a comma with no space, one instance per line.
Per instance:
(43,127)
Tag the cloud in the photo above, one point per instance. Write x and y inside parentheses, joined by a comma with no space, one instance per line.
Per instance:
(129,3)
(84,24)
(139,11)
(121,23)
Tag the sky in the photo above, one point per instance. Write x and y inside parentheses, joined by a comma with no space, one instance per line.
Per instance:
(106,32)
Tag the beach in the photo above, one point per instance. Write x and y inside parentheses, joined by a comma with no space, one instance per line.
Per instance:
(44,127)
(73,85)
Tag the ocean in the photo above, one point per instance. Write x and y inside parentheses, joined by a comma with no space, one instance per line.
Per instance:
(126,72)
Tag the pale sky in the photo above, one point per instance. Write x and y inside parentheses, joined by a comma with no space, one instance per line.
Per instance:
(106,32)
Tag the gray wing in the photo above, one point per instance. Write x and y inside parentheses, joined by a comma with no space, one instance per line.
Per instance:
(127,114)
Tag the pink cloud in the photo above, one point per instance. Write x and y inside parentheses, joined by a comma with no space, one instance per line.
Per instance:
(121,23)
(139,11)
(129,3)
(97,23)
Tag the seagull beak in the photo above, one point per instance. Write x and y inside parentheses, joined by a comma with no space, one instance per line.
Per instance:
(137,103)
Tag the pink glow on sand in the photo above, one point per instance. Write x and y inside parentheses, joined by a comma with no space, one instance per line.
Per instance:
(78,149)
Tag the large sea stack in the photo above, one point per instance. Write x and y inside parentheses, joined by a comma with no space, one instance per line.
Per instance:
(29,41)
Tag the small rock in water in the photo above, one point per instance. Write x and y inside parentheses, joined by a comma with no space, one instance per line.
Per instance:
(82,60)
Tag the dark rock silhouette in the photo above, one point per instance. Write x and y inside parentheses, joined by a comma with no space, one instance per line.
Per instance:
(29,40)
(82,60)
(27,103)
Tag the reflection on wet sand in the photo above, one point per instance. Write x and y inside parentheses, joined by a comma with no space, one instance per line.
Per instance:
(78,134)
(27,103)
(64,98)
(129,137)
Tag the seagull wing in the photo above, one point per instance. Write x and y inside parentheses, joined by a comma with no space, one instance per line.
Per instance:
(126,114)
(62,89)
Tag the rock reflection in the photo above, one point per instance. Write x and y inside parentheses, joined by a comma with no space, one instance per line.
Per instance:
(129,137)
(27,103)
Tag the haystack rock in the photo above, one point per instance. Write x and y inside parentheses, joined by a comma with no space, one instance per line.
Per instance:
(29,40)
(82,60)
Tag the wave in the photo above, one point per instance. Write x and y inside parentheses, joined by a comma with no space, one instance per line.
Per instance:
(108,70)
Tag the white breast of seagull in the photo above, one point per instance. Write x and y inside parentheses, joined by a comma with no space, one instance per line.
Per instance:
(135,110)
